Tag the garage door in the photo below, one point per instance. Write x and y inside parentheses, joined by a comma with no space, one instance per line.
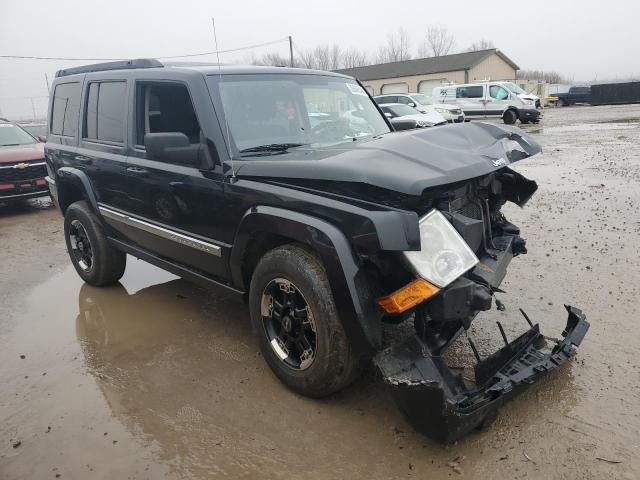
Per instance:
(388,88)
(427,86)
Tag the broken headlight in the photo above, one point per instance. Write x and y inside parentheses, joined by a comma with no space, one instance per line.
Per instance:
(444,254)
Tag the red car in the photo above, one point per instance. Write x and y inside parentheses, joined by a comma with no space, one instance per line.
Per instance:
(22,165)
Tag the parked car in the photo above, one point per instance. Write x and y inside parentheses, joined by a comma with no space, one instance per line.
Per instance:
(421,120)
(424,104)
(22,165)
(573,96)
(516,90)
(215,173)
(489,100)
(36,130)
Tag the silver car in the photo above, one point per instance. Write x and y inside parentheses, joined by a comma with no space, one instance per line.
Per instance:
(422,103)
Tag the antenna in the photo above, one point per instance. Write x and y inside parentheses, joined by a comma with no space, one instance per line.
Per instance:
(226,123)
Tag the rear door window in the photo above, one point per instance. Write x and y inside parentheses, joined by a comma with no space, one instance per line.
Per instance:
(470,92)
(105,112)
(65,109)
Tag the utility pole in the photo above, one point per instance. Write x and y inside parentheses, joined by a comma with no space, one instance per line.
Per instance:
(291,49)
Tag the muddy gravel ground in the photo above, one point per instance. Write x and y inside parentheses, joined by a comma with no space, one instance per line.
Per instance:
(156,378)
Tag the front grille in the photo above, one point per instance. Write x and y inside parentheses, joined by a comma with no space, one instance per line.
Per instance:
(463,202)
(8,173)
(471,210)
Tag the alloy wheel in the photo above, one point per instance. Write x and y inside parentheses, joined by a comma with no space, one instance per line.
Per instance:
(289,324)
(81,246)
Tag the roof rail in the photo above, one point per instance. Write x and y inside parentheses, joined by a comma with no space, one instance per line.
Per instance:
(118,65)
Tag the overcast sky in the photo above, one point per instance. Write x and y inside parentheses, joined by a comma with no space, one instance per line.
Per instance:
(583,40)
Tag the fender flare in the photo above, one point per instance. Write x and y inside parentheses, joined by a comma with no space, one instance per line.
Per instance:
(80,180)
(360,318)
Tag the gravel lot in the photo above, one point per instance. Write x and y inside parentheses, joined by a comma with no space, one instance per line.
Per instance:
(156,378)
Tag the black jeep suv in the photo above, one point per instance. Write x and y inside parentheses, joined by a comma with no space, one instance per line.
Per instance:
(289,188)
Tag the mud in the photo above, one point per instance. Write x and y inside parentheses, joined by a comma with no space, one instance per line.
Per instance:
(156,378)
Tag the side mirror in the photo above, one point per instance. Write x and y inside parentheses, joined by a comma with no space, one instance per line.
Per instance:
(388,115)
(41,138)
(171,147)
(399,124)
(411,104)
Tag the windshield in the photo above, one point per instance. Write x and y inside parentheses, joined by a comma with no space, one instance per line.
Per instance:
(36,130)
(402,110)
(514,88)
(11,135)
(421,99)
(283,111)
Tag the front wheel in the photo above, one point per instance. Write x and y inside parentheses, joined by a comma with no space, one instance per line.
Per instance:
(97,261)
(509,117)
(294,317)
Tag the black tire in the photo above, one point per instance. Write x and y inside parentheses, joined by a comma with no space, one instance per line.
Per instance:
(509,117)
(560,103)
(334,364)
(99,263)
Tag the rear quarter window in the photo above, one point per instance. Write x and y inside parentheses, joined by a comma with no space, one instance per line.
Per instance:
(65,109)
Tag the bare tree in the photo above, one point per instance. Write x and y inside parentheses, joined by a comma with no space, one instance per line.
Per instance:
(352,58)
(272,58)
(437,42)
(307,59)
(322,57)
(480,45)
(335,57)
(397,48)
(548,76)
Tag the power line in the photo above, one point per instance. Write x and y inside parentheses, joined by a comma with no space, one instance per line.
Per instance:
(188,55)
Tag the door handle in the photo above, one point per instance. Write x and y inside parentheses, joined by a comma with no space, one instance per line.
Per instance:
(137,171)
(83,160)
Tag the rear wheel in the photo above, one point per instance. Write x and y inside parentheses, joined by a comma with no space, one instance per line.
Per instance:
(294,317)
(97,261)
(509,117)
(560,103)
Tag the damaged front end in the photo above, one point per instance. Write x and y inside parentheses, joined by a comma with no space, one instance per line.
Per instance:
(436,399)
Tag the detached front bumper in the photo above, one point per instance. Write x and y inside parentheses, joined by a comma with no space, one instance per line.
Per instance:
(436,401)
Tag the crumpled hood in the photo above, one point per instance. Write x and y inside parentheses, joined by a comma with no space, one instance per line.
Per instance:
(406,162)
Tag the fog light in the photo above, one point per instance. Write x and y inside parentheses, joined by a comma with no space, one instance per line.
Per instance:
(407,297)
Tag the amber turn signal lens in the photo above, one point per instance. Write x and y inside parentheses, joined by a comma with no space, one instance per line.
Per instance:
(407,297)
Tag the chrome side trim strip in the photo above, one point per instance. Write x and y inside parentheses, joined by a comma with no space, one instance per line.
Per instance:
(161,232)
(26,165)
(37,193)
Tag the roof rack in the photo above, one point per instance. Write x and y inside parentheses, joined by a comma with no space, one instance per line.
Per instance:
(118,65)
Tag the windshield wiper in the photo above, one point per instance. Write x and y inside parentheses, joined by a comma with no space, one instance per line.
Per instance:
(272,147)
